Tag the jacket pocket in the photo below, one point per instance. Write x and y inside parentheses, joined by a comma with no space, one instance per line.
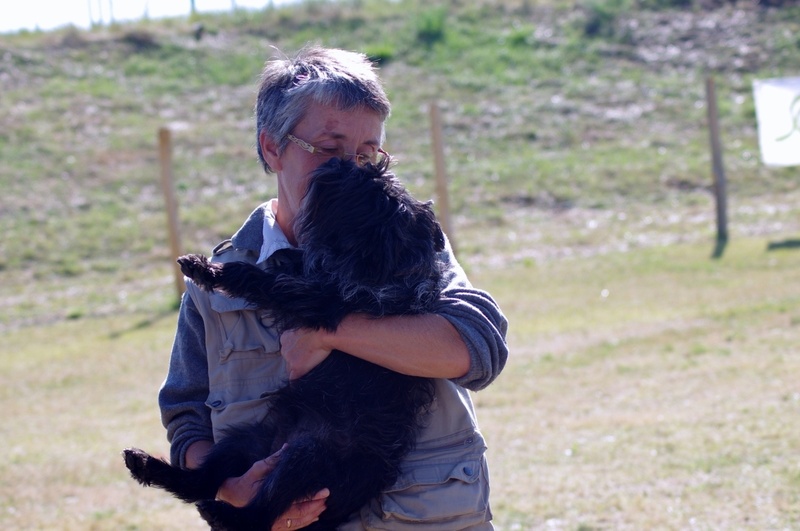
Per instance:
(224,415)
(434,495)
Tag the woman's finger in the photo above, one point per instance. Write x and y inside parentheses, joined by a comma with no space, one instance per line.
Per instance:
(302,513)
(265,466)
(240,490)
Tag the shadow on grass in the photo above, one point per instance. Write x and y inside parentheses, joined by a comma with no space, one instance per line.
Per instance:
(146,322)
(719,248)
(785,244)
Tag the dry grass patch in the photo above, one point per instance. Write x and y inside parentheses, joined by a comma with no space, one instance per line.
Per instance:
(647,422)
(75,394)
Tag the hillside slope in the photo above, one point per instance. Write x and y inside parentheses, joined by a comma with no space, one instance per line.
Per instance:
(568,130)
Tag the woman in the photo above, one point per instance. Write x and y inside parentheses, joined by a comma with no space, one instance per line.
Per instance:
(327,103)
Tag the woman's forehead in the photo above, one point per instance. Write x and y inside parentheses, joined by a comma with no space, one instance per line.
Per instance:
(336,123)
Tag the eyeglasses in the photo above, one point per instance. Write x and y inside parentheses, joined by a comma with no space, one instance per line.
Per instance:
(362,159)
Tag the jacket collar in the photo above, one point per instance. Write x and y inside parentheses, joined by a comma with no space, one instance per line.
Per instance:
(261,233)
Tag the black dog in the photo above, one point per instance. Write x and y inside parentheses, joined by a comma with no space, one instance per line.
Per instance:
(365,245)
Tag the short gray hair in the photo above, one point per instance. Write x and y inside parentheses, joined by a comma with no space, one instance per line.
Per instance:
(325,76)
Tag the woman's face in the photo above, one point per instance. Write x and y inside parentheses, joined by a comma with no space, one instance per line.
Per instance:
(326,128)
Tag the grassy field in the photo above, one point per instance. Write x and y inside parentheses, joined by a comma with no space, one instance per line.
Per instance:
(649,385)
(650,389)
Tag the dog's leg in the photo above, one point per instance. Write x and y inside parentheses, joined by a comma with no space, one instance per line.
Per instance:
(224,517)
(294,301)
(188,485)
(300,472)
(309,464)
(236,279)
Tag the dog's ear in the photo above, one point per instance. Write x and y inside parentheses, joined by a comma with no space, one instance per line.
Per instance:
(325,198)
(439,238)
(426,220)
(437,234)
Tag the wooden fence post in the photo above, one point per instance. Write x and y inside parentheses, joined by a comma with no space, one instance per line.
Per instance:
(443,198)
(171,203)
(716,164)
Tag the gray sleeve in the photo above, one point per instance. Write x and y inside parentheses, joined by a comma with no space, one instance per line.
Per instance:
(479,321)
(183,395)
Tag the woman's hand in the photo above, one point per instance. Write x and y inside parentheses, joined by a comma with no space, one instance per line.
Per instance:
(303,349)
(240,490)
(302,512)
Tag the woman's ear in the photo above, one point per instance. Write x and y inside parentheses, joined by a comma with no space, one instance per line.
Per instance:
(269,150)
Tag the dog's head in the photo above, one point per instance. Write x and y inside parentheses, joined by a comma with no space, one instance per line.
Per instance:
(360,229)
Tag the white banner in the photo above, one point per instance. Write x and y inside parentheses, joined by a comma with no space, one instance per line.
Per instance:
(778,114)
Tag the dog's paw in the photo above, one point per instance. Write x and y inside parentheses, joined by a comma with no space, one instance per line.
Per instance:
(137,460)
(200,270)
(220,516)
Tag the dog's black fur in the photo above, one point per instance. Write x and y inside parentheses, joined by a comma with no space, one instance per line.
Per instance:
(365,245)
